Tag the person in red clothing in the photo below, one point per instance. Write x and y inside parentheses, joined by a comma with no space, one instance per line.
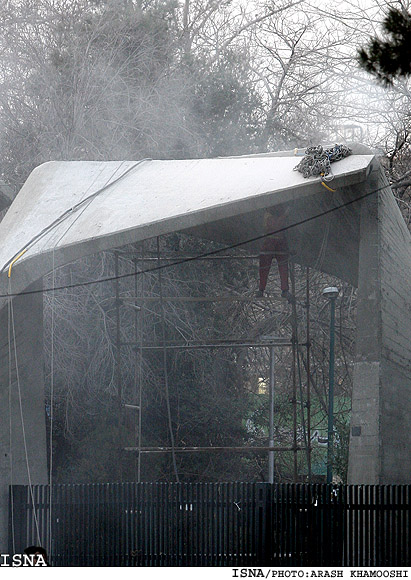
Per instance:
(274,246)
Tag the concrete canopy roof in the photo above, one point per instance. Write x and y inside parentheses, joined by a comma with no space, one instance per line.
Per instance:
(220,198)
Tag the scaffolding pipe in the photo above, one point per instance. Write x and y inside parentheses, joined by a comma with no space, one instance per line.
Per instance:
(165,366)
(118,365)
(330,449)
(271,418)
(308,369)
(198,298)
(195,257)
(240,449)
(139,335)
(209,345)
(271,344)
(294,371)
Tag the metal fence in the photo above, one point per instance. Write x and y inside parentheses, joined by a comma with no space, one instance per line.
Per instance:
(213,524)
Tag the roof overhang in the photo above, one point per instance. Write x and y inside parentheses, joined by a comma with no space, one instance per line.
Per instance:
(222,199)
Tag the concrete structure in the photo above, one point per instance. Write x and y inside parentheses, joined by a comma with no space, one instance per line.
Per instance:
(70,209)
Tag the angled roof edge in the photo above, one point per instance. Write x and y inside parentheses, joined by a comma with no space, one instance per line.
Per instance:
(153,198)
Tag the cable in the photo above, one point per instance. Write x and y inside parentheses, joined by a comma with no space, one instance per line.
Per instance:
(87,201)
(10,264)
(317,162)
(321,254)
(51,415)
(83,202)
(205,254)
(11,428)
(22,418)
(68,213)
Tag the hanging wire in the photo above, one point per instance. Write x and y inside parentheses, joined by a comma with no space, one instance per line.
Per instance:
(11,425)
(83,204)
(165,366)
(323,248)
(204,254)
(61,218)
(50,535)
(13,332)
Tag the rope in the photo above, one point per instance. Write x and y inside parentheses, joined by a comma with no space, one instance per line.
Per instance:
(317,161)
(22,416)
(11,427)
(321,254)
(15,260)
(83,204)
(68,213)
(51,410)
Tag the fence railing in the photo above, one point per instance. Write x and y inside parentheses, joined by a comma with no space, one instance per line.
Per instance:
(213,524)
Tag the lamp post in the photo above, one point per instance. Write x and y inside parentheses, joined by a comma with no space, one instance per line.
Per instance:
(271,418)
(271,458)
(331,292)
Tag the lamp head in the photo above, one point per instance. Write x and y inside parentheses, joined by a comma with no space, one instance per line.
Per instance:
(330,292)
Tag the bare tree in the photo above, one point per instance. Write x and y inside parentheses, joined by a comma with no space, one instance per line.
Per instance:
(109,80)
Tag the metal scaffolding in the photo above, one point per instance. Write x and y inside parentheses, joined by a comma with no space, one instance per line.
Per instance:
(272,343)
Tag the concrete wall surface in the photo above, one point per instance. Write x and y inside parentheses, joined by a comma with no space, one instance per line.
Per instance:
(380,439)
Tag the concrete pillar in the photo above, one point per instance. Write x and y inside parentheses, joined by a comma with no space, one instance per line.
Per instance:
(380,434)
(22,452)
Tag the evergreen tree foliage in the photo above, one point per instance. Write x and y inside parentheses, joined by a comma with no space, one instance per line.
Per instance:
(391,58)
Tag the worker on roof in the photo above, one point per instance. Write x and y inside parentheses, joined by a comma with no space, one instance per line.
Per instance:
(274,246)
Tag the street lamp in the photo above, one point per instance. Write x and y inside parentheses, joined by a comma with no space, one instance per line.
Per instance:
(331,292)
